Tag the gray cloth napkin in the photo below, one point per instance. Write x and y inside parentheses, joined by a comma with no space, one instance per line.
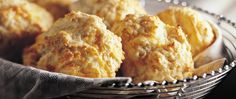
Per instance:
(21,82)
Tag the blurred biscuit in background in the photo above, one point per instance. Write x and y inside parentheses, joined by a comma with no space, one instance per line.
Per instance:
(20,23)
(199,32)
(111,11)
(58,8)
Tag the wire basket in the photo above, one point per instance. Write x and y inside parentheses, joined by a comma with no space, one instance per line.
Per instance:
(195,87)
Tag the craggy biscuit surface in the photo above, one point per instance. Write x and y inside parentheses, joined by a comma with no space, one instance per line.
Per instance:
(78,44)
(153,50)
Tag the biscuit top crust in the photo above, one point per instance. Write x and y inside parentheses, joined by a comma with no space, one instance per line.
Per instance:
(153,50)
(78,44)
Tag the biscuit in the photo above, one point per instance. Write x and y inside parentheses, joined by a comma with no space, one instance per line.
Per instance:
(153,50)
(78,44)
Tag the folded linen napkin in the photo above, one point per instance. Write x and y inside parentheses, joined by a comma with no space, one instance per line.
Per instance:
(22,82)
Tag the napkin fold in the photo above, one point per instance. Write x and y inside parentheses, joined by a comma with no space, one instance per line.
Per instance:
(23,82)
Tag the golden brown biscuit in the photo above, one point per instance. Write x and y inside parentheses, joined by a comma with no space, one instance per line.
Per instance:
(58,8)
(109,10)
(199,33)
(78,44)
(20,22)
(153,50)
